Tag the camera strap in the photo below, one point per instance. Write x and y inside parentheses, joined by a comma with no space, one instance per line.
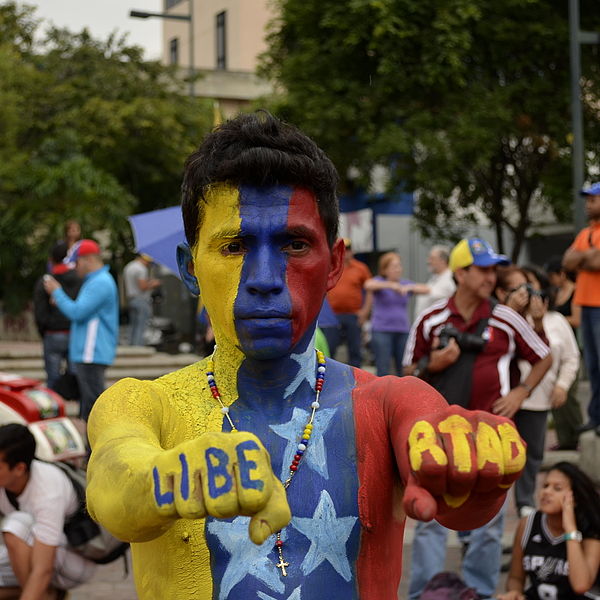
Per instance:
(455,382)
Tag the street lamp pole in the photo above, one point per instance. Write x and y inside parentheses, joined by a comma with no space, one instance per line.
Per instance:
(191,47)
(577,160)
(141,14)
(576,38)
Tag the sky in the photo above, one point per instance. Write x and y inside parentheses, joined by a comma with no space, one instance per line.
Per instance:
(102,17)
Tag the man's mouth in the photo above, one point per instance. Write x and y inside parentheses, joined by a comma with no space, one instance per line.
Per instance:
(263,315)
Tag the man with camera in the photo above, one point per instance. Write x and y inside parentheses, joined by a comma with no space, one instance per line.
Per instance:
(463,347)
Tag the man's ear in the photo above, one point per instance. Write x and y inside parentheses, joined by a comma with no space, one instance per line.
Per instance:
(20,468)
(337,263)
(186,268)
(459,275)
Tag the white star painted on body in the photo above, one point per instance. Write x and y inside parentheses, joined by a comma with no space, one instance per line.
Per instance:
(328,535)
(316,455)
(307,362)
(246,558)
(294,596)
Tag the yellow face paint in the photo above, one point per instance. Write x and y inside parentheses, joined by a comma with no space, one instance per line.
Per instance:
(510,440)
(219,274)
(423,438)
(489,447)
(458,428)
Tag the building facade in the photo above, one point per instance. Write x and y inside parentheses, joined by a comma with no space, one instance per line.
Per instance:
(227,36)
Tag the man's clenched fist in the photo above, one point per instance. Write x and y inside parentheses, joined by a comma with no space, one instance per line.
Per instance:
(461,459)
(222,475)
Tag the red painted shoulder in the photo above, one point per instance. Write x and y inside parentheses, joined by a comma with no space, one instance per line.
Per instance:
(379,564)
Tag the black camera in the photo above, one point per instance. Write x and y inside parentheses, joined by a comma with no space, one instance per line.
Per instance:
(467,342)
(532,291)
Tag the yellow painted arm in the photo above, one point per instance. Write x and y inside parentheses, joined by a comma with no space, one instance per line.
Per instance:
(124,430)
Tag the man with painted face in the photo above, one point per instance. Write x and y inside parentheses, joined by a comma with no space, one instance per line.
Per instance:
(180,467)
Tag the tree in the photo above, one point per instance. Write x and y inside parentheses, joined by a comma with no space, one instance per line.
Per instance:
(88,130)
(466,101)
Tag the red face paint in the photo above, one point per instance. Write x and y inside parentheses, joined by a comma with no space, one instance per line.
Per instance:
(307,271)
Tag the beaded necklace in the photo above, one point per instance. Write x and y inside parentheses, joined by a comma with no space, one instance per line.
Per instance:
(301,449)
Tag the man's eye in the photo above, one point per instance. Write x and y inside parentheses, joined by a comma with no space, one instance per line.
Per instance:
(296,246)
(233,248)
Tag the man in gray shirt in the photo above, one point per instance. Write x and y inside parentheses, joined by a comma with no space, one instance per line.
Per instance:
(441,285)
(138,288)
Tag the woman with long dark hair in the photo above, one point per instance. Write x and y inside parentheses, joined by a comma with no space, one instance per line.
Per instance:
(527,291)
(557,548)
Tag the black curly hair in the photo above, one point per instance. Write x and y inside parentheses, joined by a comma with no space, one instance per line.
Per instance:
(259,149)
(17,444)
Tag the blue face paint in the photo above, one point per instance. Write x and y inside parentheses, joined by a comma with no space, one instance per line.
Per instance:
(263,306)
(218,469)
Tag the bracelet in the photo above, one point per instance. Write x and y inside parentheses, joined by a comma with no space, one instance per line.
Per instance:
(573,535)
(527,387)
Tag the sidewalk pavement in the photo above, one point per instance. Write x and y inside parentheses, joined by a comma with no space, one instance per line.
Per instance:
(110,582)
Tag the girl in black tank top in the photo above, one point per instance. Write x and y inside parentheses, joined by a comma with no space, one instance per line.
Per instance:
(556,554)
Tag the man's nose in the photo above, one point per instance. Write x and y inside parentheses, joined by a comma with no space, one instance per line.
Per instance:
(265,271)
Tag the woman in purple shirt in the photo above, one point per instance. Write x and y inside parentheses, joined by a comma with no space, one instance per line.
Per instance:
(389,314)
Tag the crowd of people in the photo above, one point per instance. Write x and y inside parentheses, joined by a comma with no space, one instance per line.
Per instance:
(501,338)
(76,310)
(497,341)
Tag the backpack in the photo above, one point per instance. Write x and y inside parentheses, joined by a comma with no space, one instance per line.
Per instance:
(86,537)
(447,586)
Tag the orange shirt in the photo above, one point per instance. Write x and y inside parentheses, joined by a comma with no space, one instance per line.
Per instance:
(587,291)
(347,295)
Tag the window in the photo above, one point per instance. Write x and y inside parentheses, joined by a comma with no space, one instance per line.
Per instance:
(221,40)
(174,51)
(170,3)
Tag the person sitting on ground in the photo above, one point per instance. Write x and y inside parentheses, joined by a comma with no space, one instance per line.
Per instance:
(557,548)
(35,499)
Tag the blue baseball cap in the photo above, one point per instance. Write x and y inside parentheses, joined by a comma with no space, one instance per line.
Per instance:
(475,251)
(593,190)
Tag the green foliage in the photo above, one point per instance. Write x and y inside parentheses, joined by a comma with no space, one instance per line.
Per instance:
(467,101)
(88,131)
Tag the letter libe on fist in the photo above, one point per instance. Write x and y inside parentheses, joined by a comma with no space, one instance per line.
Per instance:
(222,475)
(463,452)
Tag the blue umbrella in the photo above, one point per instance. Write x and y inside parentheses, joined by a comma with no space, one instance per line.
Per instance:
(157,233)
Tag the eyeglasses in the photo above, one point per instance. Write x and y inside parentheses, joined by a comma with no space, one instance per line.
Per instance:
(530,291)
